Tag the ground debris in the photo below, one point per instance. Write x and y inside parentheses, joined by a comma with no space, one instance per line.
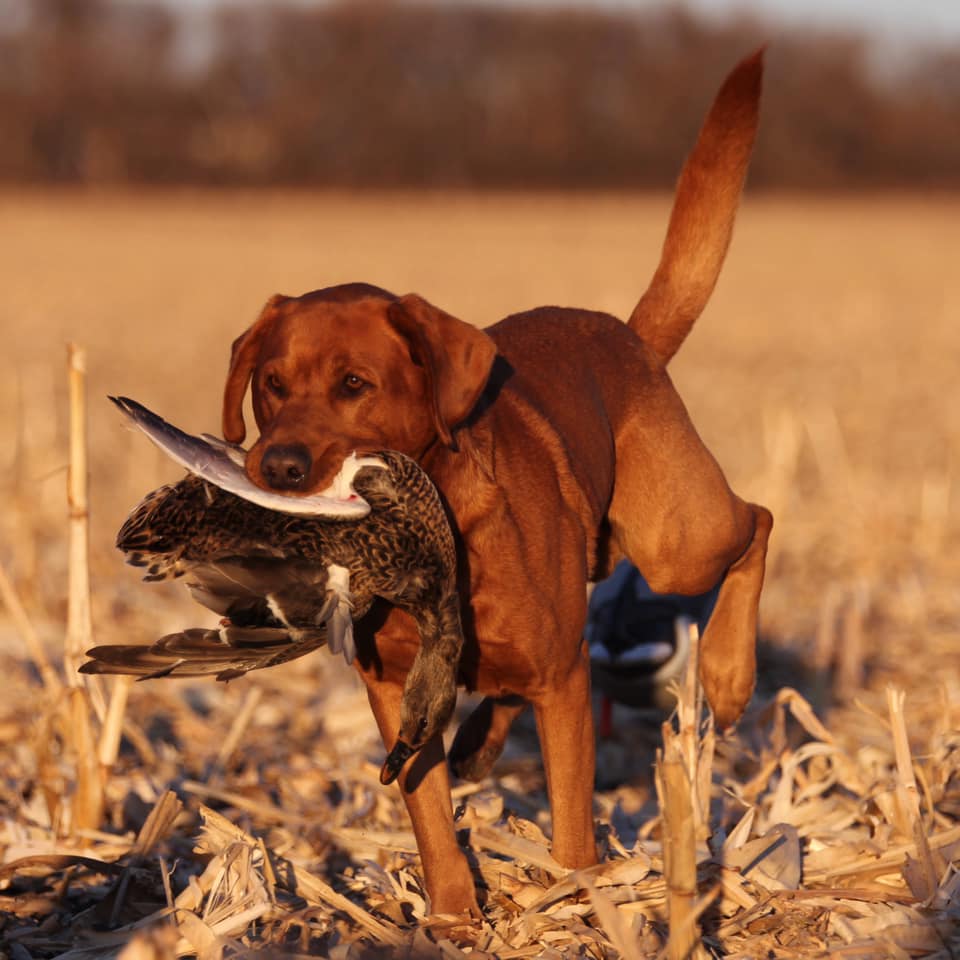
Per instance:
(825,839)
(294,845)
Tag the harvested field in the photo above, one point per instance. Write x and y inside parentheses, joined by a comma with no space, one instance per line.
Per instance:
(823,375)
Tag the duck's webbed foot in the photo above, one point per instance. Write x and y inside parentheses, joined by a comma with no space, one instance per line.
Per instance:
(328,604)
(339,619)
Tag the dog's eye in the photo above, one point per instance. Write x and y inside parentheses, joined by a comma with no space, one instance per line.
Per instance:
(275,385)
(353,384)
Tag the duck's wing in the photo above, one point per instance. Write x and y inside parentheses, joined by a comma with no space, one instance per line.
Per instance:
(278,611)
(221,464)
(244,588)
(227,653)
(296,595)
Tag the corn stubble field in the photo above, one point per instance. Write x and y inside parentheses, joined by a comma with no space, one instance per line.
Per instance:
(823,375)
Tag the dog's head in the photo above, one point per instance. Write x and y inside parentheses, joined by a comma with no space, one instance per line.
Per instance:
(350,368)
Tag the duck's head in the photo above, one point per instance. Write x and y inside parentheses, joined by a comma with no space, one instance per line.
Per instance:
(429,696)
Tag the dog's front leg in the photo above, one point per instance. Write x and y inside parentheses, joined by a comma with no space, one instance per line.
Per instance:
(565,725)
(425,786)
(483,735)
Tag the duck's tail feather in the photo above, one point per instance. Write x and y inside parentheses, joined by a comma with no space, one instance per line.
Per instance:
(226,653)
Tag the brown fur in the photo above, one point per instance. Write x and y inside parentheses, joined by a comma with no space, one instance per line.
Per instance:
(559,443)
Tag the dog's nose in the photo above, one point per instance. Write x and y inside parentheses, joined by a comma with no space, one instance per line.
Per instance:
(285,467)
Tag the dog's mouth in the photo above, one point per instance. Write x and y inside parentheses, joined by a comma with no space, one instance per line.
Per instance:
(337,499)
(341,487)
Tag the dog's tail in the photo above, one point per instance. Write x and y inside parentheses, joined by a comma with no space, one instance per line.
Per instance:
(704,209)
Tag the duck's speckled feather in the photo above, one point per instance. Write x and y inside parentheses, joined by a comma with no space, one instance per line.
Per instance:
(399,551)
(250,564)
(291,580)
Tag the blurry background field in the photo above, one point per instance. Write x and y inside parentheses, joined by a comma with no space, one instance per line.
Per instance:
(823,375)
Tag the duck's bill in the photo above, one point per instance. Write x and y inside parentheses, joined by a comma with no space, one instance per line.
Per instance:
(221,464)
(396,758)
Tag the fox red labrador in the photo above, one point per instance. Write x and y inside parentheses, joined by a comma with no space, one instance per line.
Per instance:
(559,445)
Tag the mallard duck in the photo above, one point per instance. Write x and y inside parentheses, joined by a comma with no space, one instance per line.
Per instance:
(287,583)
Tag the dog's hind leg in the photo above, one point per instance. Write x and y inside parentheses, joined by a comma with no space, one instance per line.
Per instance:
(678,521)
(728,645)
(728,648)
(481,737)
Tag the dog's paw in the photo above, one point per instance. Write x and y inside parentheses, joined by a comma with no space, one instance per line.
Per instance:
(474,766)
(728,690)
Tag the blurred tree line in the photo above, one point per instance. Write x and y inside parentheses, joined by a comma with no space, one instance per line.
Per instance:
(426,94)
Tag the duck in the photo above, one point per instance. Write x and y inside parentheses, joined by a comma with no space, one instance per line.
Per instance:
(638,640)
(289,575)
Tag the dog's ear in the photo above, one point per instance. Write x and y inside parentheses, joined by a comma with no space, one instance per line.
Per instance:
(243,359)
(456,357)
